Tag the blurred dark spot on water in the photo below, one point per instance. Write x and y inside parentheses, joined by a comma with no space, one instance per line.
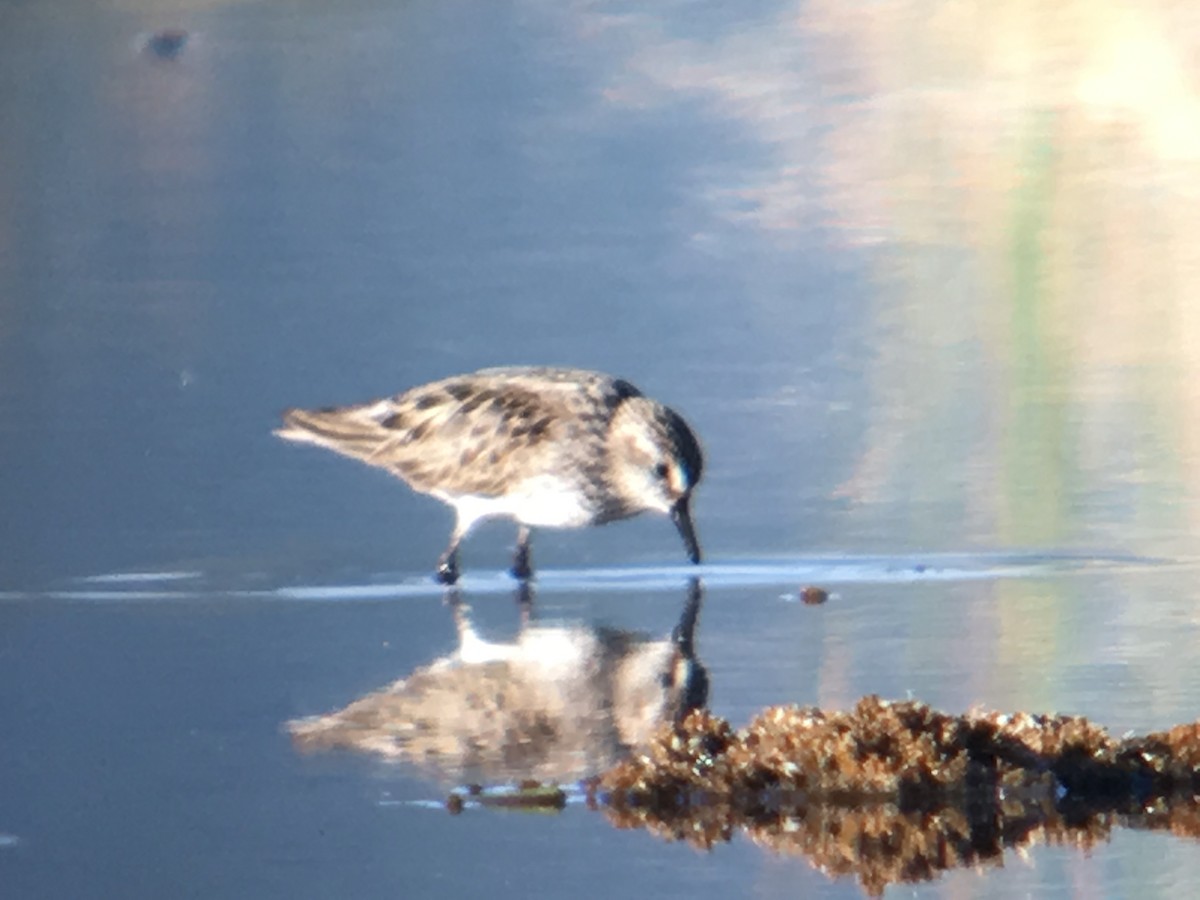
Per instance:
(166,44)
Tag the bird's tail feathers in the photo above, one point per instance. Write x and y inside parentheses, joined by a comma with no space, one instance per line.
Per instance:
(351,430)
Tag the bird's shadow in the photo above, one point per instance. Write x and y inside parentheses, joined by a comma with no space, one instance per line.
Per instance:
(558,702)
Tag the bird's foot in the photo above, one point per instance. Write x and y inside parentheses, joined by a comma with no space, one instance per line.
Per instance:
(522,568)
(447,567)
(447,570)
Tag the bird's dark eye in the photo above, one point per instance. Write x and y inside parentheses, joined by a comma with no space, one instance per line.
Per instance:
(661,470)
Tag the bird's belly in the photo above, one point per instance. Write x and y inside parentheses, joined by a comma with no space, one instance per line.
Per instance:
(550,502)
(543,501)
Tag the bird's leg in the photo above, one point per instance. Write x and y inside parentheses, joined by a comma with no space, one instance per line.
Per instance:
(453,599)
(522,569)
(447,568)
(524,596)
(469,644)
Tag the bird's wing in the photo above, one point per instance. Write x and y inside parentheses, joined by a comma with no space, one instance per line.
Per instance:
(470,434)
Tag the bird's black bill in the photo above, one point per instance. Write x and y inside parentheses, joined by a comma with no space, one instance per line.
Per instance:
(681,515)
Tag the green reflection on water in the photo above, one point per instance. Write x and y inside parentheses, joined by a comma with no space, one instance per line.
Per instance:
(1038,445)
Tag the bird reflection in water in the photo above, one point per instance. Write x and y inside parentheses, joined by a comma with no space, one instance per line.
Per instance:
(559,702)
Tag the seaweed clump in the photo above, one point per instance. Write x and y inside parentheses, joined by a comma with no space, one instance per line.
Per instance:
(897,791)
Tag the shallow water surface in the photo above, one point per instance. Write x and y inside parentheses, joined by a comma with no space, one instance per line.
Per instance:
(927,306)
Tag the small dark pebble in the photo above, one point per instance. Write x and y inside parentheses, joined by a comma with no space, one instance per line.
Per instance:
(454,804)
(474,789)
(813,596)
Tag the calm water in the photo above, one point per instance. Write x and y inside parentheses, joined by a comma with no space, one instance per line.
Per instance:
(931,311)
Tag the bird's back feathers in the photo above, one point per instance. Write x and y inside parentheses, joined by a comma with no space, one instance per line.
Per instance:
(470,434)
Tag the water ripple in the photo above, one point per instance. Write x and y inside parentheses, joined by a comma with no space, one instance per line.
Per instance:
(783,572)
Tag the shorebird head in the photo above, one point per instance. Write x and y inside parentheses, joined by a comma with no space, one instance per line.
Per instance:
(656,463)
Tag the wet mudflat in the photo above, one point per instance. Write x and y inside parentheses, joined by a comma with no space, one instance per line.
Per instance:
(931,322)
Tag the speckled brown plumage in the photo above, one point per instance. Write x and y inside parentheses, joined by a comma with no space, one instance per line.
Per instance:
(553,447)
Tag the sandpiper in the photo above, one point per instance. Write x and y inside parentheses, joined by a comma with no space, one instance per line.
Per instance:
(556,448)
